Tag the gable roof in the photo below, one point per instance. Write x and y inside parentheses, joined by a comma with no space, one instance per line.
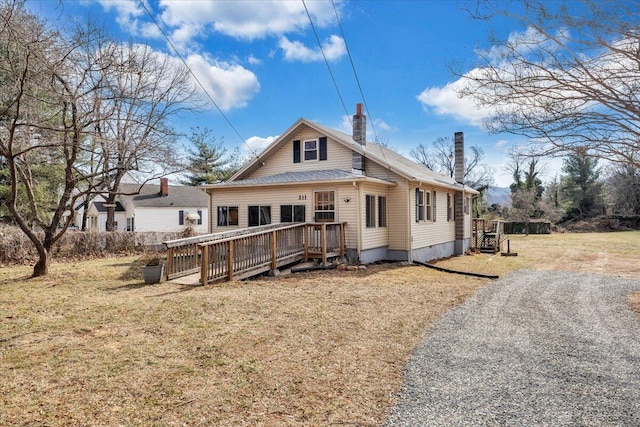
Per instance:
(385,157)
(149,196)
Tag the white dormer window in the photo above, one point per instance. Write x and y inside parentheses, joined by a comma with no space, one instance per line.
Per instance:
(311,150)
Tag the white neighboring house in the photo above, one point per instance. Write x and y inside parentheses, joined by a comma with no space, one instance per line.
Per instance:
(164,208)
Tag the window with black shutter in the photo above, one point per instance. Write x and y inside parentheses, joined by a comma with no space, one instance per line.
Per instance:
(323,148)
(296,151)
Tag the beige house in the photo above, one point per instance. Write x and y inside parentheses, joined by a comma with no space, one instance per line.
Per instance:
(394,208)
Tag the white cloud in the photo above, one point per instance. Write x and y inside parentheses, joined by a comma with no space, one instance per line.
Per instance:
(256,144)
(128,14)
(334,48)
(446,101)
(230,85)
(246,20)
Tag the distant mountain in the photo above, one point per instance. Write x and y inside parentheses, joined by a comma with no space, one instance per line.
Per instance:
(499,195)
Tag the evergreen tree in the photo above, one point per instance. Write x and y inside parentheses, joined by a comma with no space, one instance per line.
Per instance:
(208,161)
(581,187)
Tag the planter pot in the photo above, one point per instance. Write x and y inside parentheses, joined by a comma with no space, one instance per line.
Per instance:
(152,273)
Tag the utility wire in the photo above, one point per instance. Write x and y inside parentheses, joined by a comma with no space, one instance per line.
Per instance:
(353,67)
(157,24)
(326,62)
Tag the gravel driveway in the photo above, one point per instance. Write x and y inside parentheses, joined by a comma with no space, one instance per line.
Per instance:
(534,348)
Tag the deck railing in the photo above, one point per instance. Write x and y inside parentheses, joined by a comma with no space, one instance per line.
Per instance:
(243,253)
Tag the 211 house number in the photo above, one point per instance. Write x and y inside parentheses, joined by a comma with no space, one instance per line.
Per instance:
(302,197)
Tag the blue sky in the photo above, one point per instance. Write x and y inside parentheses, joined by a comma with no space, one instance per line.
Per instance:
(260,62)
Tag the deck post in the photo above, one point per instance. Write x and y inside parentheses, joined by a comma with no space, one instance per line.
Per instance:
(342,241)
(306,243)
(274,252)
(204,269)
(230,260)
(323,237)
(169,262)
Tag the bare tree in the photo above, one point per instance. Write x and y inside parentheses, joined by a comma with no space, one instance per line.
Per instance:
(439,158)
(140,91)
(570,82)
(41,123)
(623,189)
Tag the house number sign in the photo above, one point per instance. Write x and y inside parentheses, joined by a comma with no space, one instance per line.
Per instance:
(302,197)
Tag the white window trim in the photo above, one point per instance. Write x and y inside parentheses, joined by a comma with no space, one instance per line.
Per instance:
(335,203)
(304,150)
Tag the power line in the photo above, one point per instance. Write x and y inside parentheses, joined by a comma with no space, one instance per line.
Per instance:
(326,62)
(353,67)
(157,24)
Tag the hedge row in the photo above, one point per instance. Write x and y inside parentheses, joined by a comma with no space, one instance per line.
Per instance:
(16,248)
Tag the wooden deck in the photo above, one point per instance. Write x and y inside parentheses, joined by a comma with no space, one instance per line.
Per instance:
(247,252)
(488,235)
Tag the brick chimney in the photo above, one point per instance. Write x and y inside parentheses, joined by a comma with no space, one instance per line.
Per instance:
(359,126)
(458,197)
(459,157)
(164,187)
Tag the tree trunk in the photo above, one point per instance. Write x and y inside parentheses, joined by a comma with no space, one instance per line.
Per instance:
(85,213)
(42,266)
(111,213)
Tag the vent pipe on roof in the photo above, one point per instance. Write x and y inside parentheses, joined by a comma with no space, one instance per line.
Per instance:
(164,187)
(359,126)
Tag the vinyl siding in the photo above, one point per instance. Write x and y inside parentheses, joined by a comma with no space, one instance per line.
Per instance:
(276,196)
(427,233)
(338,156)
(374,237)
(397,202)
(166,219)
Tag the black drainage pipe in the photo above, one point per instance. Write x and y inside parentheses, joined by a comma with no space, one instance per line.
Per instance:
(464,273)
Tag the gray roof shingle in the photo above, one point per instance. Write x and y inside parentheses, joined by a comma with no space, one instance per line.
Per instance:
(149,196)
(294,177)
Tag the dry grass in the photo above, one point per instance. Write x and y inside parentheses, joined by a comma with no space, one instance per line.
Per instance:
(92,345)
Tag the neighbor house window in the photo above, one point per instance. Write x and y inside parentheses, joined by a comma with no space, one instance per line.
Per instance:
(227,216)
(382,211)
(324,207)
(419,205)
(449,208)
(259,215)
(311,150)
(130,224)
(427,205)
(292,213)
(370,210)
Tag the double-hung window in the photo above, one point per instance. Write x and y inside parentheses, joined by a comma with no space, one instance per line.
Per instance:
(227,216)
(435,205)
(419,205)
(427,205)
(370,210)
(449,208)
(311,150)
(324,206)
(382,211)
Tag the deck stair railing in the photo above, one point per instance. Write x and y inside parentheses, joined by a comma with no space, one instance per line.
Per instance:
(488,235)
(242,253)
